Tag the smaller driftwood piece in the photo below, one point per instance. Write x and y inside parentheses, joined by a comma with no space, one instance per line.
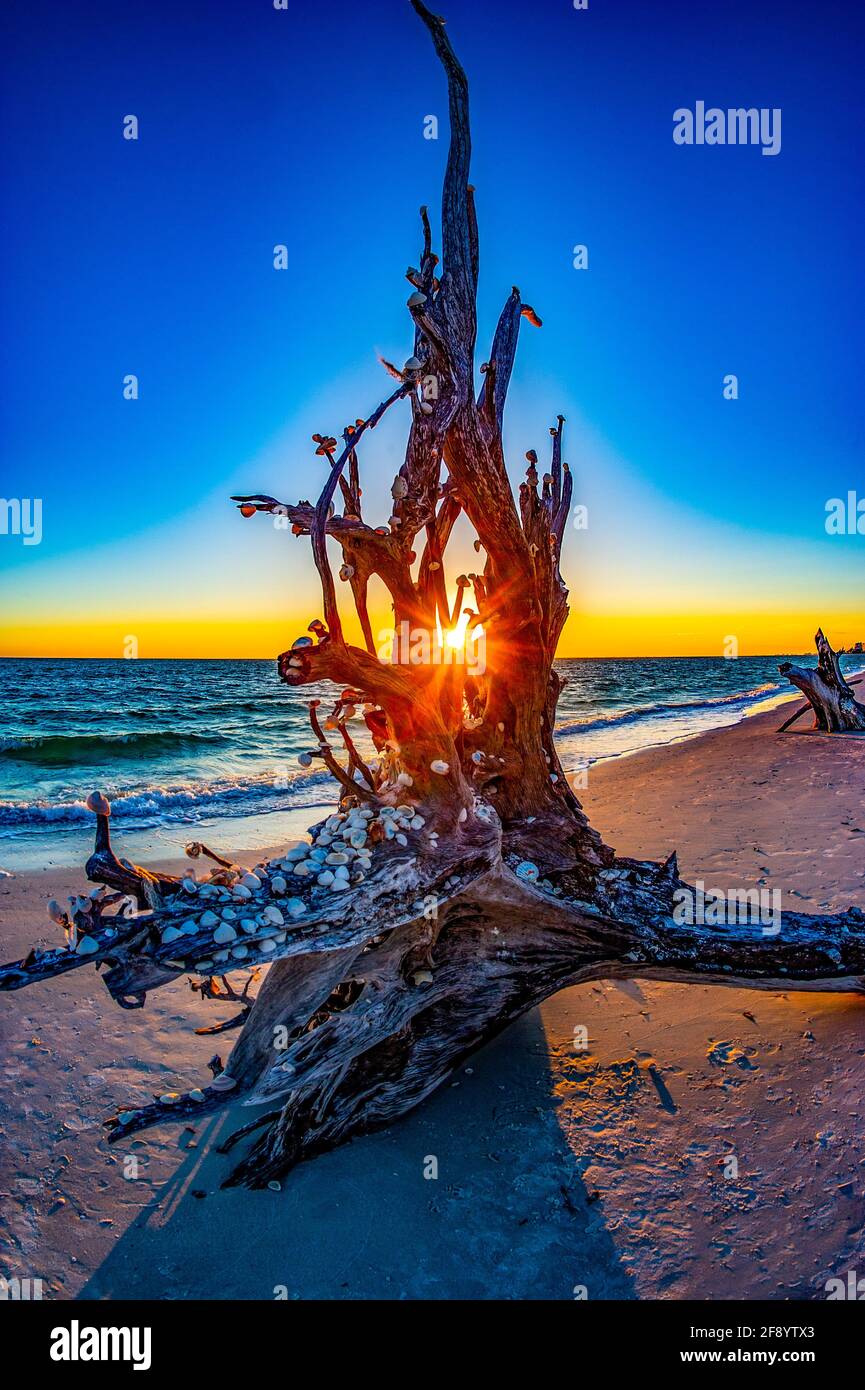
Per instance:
(829,694)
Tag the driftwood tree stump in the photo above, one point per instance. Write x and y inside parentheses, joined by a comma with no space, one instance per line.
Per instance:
(458,882)
(836,709)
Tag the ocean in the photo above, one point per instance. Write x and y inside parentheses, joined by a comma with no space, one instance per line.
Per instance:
(208,749)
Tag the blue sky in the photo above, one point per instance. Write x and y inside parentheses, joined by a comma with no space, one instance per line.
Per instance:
(305,127)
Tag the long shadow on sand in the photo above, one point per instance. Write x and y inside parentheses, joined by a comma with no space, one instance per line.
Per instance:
(508,1216)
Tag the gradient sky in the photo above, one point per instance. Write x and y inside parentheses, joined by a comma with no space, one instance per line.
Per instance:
(305,127)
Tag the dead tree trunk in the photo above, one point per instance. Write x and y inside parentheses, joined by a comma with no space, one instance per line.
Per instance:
(836,709)
(458,882)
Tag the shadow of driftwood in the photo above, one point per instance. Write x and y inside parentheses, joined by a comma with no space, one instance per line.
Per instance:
(507,1217)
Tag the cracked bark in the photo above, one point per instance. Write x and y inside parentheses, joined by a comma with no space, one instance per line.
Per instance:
(501,893)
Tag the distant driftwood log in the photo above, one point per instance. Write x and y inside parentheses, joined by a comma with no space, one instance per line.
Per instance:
(829,694)
(458,882)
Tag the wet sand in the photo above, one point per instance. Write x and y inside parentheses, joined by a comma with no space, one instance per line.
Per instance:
(610,1168)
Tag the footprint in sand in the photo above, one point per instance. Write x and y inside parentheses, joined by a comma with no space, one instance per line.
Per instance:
(727,1054)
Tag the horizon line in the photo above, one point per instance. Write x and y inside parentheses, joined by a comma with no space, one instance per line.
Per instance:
(583,656)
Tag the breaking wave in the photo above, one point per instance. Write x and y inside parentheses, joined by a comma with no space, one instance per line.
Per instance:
(68,750)
(670,709)
(188,803)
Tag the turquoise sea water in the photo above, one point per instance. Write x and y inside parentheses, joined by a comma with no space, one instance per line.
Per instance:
(184,747)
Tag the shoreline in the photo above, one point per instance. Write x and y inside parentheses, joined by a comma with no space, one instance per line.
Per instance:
(603,1167)
(46,822)
(69,844)
(797,817)
(608,779)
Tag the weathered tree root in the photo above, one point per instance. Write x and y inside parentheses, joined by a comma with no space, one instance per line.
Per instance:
(501,948)
(360,1018)
(460,884)
(836,709)
(208,988)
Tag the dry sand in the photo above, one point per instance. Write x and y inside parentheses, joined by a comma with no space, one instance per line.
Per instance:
(557,1168)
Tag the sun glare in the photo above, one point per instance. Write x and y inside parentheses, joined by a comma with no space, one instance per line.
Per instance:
(455,637)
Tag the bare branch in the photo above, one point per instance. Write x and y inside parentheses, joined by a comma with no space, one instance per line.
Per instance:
(502,357)
(322,511)
(459,251)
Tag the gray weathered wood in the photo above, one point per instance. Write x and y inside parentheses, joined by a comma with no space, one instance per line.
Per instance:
(830,695)
(496,892)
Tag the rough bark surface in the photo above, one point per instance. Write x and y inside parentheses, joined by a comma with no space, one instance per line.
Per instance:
(829,694)
(458,882)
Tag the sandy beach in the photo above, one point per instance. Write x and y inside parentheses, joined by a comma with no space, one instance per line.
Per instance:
(606,1168)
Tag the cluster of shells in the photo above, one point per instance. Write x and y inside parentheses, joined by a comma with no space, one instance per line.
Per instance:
(87,909)
(244,915)
(232,917)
